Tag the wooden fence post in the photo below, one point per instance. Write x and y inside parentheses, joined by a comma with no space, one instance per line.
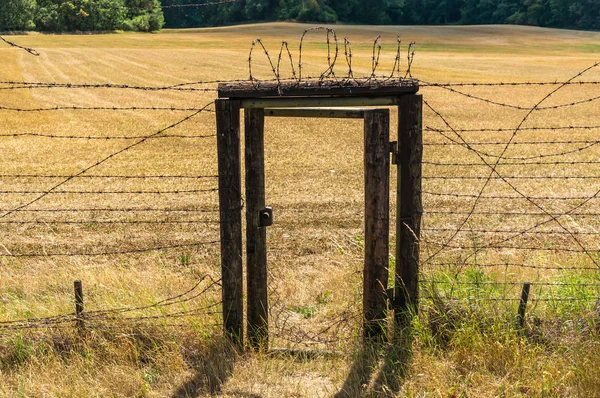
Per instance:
(78,287)
(409,207)
(377,206)
(523,305)
(256,235)
(230,203)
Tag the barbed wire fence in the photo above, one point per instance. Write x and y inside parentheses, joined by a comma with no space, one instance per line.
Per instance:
(495,215)
(513,209)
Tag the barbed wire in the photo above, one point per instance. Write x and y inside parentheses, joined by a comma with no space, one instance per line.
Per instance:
(509,84)
(96,317)
(518,107)
(104,160)
(494,171)
(114,192)
(528,143)
(102,138)
(328,76)
(108,252)
(12,44)
(514,265)
(507,213)
(105,108)
(121,210)
(505,231)
(15,85)
(114,176)
(493,245)
(476,178)
(111,222)
(504,283)
(572,163)
(509,130)
(509,197)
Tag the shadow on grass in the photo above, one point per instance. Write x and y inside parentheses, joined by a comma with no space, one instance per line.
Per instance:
(379,369)
(213,365)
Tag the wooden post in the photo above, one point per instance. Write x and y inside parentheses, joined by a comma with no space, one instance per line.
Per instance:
(409,207)
(230,203)
(377,206)
(256,235)
(523,305)
(78,287)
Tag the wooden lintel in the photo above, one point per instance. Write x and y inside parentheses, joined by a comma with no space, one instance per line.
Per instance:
(335,113)
(318,88)
(318,102)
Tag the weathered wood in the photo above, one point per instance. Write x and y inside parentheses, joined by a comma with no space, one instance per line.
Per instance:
(330,113)
(377,206)
(316,102)
(78,288)
(523,305)
(230,202)
(409,207)
(256,236)
(316,88)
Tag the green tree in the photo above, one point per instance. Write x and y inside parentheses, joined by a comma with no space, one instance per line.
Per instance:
(144,15)
(17,14)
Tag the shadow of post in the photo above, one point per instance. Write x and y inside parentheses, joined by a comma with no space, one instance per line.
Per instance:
(213,366)
(396,360)
(380,369)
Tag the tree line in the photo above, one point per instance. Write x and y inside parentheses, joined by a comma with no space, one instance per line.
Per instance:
(149,15)
(80,15)
(577,14)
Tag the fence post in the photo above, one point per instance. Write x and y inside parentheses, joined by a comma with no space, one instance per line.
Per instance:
(409,207)
(377,206)
(256,235)
(78,287)
(523,305)
(230,203)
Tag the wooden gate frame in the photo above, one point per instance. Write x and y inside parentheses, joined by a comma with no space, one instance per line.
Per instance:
(407,152)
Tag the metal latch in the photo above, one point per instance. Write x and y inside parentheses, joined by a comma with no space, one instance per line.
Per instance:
(394,151)
(266,217)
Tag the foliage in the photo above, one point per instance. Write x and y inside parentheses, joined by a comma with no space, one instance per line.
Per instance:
(147,15)
(584,14)
(81,15)
(16,14)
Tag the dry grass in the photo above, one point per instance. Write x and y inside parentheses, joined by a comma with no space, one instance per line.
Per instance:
(314,183)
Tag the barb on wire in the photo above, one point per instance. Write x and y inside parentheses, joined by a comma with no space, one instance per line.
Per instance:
(284,45)
(376,54)
(411,58)
(348,55)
